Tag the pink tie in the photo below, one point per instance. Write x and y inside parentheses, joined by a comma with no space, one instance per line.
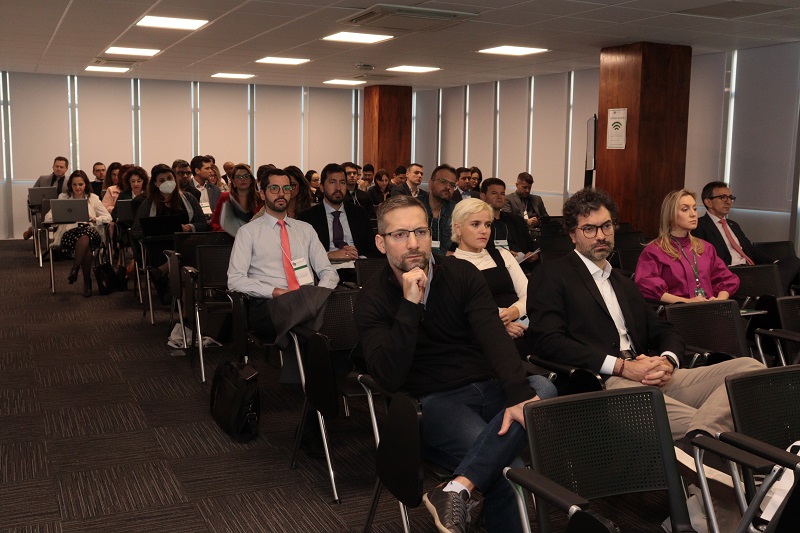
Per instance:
(733,241)
(291,279)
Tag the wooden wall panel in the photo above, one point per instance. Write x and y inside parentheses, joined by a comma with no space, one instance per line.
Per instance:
(387,126)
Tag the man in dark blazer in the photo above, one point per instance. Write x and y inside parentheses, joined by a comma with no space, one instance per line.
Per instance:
(411,186)
(209,193)
(352,193)
(356,239)
(463,188)
(585,314)
(529,206)
(183,173)
(508,231)
(718,200)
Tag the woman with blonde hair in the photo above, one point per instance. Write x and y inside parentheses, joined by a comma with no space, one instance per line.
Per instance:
(679,267)
(472,229)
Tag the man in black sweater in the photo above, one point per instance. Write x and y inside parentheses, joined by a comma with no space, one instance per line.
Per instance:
(429,327)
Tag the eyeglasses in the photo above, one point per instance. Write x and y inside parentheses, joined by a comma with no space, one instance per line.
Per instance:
(401,235)
(590,230)
(243,177)
(725,197)
(275,189)
(351,172)
(184,172)
(447,182)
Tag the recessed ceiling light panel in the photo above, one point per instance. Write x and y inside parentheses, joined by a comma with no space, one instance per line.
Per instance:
(413,69)
(513,50)
(107,69)
(171,23)
(123,51)
(283,60)
(360,38)
(344,82)
(232,76)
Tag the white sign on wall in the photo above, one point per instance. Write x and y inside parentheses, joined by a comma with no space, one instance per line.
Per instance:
(617,122)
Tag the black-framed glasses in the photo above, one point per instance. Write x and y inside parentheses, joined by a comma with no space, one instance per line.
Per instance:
(590,230)
(401,235)
(184,172)
(243,177)
(275,189)
(725,197)
(351,172)
(443,181)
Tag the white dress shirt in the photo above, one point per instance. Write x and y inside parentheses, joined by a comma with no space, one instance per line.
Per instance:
(736,257)
(256,266)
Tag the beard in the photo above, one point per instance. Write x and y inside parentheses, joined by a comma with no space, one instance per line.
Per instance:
(278,208)
(411,260)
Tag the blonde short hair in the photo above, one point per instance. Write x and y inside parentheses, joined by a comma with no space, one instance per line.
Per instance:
(462,212)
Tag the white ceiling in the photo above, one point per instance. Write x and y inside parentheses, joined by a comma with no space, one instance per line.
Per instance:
(64,36)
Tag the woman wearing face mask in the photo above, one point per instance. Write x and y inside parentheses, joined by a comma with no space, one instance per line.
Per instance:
(81,238)
(164,198)
(237,207)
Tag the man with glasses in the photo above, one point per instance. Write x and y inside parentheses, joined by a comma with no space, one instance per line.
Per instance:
(352,194)
(585,314)
(429,327)
(727,237)
(440,207)
(184,174)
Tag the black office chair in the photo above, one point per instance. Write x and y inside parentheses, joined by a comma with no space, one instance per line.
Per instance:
(557,243)
(777,249)
(766,417)
(787,336)
(714,327)
(629,240)
(579,449)
(629,257)
(366,267)
(757,281)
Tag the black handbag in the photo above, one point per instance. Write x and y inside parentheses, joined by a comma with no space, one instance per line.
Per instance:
(106,277)
(235,403)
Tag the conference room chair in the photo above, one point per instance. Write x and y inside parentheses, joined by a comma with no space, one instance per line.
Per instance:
(366,267)
(756,281)
(712,330)
(579,447)
(787,336)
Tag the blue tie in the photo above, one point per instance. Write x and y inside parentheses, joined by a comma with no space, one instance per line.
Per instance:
(338,231)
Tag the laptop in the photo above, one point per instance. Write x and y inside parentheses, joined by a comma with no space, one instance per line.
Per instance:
(159,226)
(69,211)
(37,194)
(123,210)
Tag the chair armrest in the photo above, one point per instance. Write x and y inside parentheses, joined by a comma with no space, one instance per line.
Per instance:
(762,449)
(545,488)
(369,382)
(782,334)
(558,368)
(349,285)
(533,370)
(303,332)
(192,272)
(580,379)
(735,454)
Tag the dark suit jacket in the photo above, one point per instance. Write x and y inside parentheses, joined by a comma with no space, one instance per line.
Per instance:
(516,205)
(191,189)
(456,196)
(570,323)
(404,189)
(357,218)
(361,199)
(706,230)
(519,239)
(375,194)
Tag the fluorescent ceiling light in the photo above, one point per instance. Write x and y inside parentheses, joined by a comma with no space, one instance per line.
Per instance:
(361,38)
(513,50)
(171,23)
(344,82)
(232,76)
(283,60)
(107,69)
(411,68)
(121,50)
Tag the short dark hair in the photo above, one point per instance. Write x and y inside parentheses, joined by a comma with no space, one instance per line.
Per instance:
(61,158)
(262,171)
(399,201)
(125,179)
(414,165)
(584,202)
(343,165)
(526,177)
(198,161)
(332,168)
(400,170)
(212,159)
(369,168)
(461,170)
(98,163)
(488,182)
(441,167)
(708,190)
(177,164)
(263,181)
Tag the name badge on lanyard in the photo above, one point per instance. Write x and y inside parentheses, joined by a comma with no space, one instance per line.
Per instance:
(435,245)
(501,243)
(302,272)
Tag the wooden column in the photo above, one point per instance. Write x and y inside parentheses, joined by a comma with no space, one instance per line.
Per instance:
(652,81)
(387,126)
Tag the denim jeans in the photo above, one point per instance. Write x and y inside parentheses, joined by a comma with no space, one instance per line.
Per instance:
(459,429)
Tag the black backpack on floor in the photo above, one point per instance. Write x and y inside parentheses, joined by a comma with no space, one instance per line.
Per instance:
(235,401)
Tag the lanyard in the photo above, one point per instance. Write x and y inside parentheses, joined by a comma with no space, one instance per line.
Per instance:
(496,233)
(695,270)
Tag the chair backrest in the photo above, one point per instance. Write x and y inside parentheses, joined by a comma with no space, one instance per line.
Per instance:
(553,227)
(764,404)
(339,324)
(629,240)
(715,326)
(777,249)
(789,311)
(366,267)
(185,243)
(582,442)
(758,280)
(628,257)
(557,243)
(212,265)
(398,460)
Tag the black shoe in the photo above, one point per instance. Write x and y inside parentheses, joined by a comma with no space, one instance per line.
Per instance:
(449,509)
(73,274)
(87,287)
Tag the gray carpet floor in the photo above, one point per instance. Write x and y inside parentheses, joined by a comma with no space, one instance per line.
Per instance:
(102,430)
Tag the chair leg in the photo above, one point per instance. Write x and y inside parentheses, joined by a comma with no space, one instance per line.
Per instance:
(52,273)
(138,281)
(346,407)
(328,456)
(297,438)
(180,319)
(373,506)
(519,494)
(373,418)
(198,338)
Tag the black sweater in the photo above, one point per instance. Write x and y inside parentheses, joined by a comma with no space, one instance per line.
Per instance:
(456,339)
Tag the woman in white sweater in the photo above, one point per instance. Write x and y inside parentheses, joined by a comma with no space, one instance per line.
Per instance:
(472,229)
(81,238)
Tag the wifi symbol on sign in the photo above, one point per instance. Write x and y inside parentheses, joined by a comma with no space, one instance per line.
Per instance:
(616,125)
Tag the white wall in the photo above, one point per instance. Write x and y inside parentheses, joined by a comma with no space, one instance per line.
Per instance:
(166,117)
(481,131)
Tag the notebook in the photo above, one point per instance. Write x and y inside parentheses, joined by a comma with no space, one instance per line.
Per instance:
(37,194)
(69,211)
(158,226)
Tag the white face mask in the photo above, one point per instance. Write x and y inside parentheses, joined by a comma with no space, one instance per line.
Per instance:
(167,187)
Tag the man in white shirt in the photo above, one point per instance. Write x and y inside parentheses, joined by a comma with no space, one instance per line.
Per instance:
(209,193)
(463,188)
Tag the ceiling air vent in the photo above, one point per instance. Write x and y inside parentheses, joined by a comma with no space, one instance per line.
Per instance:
(405,18)
(113,62)
(374,77)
